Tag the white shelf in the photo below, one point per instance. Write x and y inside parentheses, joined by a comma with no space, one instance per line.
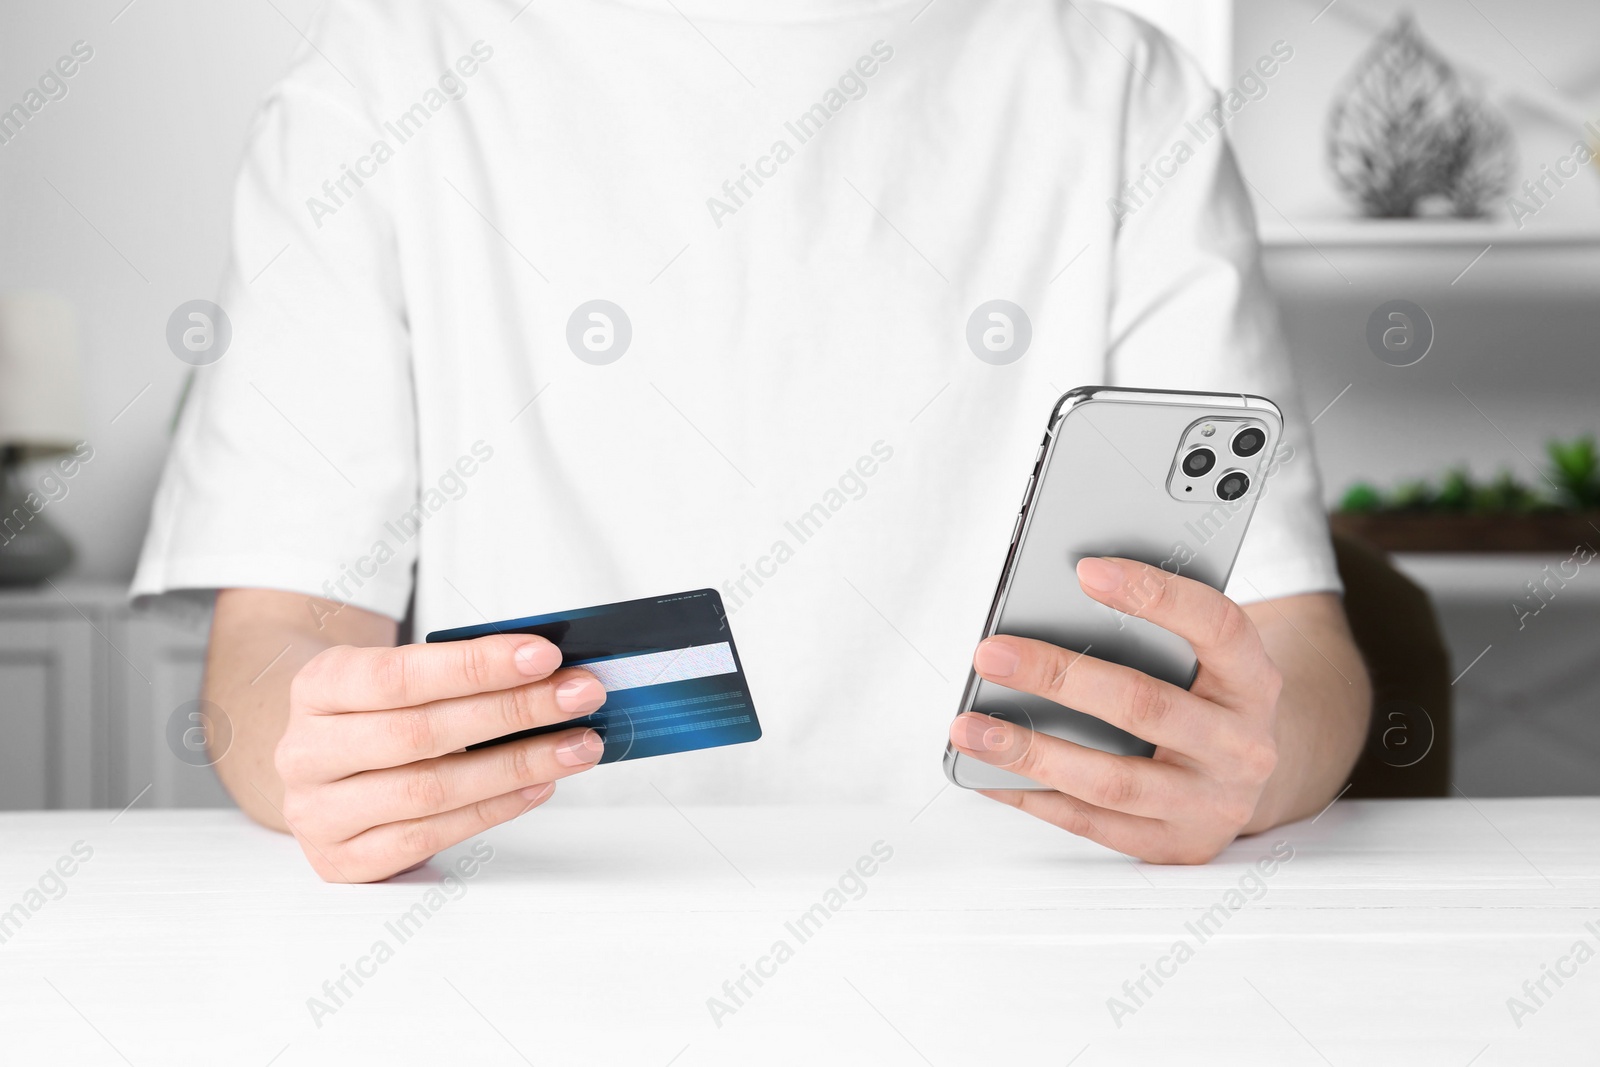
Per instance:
(1493,576)
(1416,233)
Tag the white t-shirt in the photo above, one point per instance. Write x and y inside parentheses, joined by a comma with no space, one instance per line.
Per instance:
(797,206)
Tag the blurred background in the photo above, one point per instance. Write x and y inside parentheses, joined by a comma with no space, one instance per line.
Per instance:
(1452,437)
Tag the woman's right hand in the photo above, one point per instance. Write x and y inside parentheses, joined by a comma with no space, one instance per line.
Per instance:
(375,777)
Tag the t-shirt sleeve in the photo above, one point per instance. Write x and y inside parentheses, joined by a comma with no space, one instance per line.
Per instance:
(298,444)
(1191,309)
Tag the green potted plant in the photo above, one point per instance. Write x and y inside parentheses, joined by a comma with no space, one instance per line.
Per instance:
(1460,514)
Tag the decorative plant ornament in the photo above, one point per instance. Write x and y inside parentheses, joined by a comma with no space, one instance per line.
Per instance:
(1404,129)
(1479,160)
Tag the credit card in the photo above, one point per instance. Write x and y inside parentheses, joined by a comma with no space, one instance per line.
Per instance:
(672,674)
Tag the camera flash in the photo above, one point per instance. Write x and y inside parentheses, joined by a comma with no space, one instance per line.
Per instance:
(1208,430)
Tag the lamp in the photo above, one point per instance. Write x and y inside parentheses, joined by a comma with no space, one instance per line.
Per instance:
(41,413)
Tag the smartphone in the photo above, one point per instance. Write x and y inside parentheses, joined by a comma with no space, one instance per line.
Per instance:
(1163,477)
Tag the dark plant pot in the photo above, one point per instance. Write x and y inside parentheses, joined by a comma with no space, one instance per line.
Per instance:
(1444,532)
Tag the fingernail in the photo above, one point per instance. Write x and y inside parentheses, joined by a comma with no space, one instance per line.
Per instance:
(581,750)
(1098,574)
(978,734)
(536,793)
(579,696)
(997,660)
(537,658)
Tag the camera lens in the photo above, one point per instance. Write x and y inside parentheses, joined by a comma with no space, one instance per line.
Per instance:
(1199,462)
(1233,485)
(1248,441)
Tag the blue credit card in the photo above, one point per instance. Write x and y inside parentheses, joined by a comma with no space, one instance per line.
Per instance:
(672,674)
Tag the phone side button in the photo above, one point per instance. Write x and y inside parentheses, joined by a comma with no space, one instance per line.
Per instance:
(1027,494)
(1016,528)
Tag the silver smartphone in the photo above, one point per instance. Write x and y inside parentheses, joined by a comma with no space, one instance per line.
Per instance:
(1166,478)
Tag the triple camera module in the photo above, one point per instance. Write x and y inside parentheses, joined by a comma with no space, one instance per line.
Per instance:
(1196,473)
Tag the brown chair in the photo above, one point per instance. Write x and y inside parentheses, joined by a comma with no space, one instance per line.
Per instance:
(1408,745)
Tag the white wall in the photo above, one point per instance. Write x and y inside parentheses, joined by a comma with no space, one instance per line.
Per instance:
(1517,333)
(144,145)
(1204,27)
(1516,336)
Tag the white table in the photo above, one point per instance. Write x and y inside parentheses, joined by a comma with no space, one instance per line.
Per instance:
(1395,934)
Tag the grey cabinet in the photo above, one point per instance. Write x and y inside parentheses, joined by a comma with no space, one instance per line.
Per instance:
(48,708)
(153,710)
(87,692)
